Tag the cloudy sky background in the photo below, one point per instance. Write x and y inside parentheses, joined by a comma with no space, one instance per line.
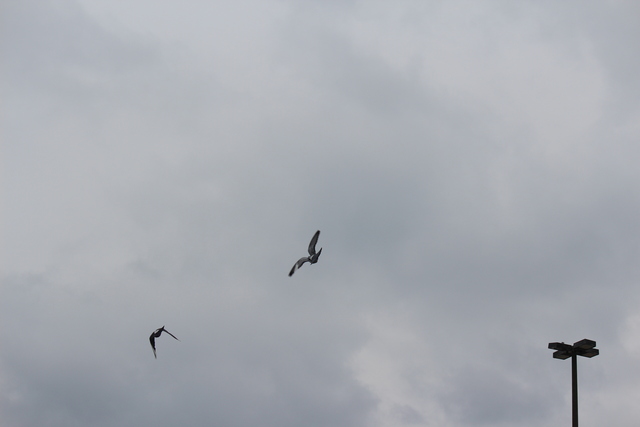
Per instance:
(472,167)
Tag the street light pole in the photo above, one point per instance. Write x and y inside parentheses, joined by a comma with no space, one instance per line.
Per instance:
(574,390)
(563,351)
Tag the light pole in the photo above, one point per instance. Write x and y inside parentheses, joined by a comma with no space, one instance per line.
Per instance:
(586,348)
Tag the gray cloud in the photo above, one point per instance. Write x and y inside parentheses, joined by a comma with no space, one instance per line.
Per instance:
(470,168)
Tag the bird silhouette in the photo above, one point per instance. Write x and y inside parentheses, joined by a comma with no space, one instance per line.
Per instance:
(156,334)
(313,256)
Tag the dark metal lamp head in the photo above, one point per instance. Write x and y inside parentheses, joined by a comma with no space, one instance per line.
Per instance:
(583,347)
(560,346)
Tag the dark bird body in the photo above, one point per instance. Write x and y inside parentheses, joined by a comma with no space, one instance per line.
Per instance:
(156,334)
(313,255)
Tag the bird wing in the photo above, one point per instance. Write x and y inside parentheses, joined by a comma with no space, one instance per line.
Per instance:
(171,334)
(315,258)
(297,265)
(152,340)
(312,244)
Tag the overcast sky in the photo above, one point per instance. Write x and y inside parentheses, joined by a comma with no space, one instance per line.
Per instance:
(472,167)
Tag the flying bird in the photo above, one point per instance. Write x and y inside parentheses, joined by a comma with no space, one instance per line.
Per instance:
(313,256)
(156,334)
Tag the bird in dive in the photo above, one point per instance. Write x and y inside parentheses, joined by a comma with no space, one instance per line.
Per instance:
(313,255)
(156,334)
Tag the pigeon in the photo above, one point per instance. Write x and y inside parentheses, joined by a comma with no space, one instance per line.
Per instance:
(313,256)
(155,335)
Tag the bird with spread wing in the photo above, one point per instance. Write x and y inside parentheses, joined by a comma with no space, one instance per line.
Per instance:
(313,255)
(156,334)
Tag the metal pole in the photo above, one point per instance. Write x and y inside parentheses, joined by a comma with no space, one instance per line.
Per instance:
(574,382)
